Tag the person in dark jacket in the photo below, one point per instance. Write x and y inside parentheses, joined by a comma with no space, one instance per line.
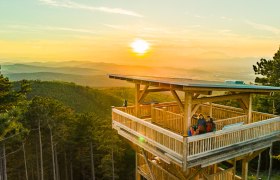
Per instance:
(210,125)
(201,123)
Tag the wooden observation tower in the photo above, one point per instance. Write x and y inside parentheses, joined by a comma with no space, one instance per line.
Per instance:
(159,132)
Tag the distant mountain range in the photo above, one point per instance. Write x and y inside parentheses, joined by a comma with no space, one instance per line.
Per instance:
(96,74)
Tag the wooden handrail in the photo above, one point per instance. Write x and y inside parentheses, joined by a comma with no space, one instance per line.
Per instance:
(159,137)
(164,129)
(211,141)
(223,122)
(244,127)
(150,125)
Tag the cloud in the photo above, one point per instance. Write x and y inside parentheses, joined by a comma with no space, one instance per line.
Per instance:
(264,27)
(69,29)
(74,5)
(36,28)
(226,18)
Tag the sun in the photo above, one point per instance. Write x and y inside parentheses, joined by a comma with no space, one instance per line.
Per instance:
(140,46)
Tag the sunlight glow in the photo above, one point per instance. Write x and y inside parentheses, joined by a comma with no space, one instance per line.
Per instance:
(140,46)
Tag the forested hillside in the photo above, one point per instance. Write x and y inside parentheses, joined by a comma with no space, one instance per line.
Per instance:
(63,131)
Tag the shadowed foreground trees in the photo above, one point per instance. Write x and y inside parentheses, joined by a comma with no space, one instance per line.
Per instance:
(42,138)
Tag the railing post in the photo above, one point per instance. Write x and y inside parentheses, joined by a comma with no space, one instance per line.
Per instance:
(113,117)
(137,95)
(250,109)
(164,117)
(152,112)
(211,110)
(185,155)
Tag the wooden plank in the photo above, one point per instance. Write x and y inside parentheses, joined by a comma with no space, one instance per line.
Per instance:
(178,100)
(219,98)
(197,89)
(157,90)
(143,94)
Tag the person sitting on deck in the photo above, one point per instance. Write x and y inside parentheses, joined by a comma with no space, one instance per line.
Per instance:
(213,124)
(201,123)
(197,132)
(210,125)
(191,131)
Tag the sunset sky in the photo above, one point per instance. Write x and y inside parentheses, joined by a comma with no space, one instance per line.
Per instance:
(182,33)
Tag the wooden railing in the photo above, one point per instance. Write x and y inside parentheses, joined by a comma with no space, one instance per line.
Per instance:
(156,135)
(157,171)
(164,130)
(168,120)
(223,122)
(212,141)
(144,110)
(221,175)
(259,116)
(219,112)
(220,139)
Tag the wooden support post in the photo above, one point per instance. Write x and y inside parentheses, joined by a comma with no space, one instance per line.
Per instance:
(244,169)
(215,168)
(234,168)
(187,112)
(259,166)
(137,174)
(186,126)
(250,109)
(137,95)
(211,110)
(270,163)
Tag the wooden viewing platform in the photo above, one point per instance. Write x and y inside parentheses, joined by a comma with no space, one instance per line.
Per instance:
(160,130)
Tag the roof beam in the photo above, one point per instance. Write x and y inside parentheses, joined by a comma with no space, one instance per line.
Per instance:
(143,93)
(219,98)
(156,90)
(177,98)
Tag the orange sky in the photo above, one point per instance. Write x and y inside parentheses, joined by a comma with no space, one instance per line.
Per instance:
(187,35)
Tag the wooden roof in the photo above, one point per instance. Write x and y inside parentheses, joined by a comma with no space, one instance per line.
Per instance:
(193,85)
